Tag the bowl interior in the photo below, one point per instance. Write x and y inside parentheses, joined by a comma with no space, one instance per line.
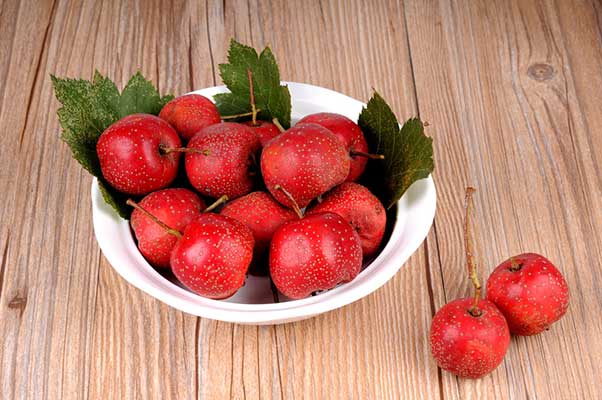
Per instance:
(408,225)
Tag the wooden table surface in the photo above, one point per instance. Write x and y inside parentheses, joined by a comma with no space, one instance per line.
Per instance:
(513,94)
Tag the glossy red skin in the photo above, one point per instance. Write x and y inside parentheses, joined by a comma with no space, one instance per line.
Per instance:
(174,207)
(129,154)
(350,134)
(263,215)
(532,298)
(189,114)
(264,130)
(358,206)
(315,253)
(307,161)
(225,171)
(468,346)
(213,255)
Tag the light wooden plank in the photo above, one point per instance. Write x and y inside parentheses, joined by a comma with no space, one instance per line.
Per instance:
(49,313)
(507,126)
(71,327)
(142,348)
(385,333)
(104,338)
(30,241)
(236,21)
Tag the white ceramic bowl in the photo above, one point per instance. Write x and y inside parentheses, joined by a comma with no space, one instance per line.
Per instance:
(253,303)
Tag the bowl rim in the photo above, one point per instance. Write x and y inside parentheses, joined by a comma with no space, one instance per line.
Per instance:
(168,292)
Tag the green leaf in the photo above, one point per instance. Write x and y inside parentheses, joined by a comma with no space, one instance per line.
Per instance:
(114,198)
(81,127)
(139,96)
(105,95)
(88,108)
(408,151)
(273,99)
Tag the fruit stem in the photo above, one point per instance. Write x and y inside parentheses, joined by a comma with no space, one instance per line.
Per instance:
(278,125)
(168,150)
(291,199)
(162,224)
(252,96)
(367,155)
(247,114)
(472,267)
(217,202)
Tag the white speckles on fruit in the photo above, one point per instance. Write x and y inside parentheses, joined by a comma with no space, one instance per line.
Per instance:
(263,215)
(469,346)
(189,114)
(306,160)
(225,171)
(530,291)
(361,209)
(129,155)
(213,256)
(350,135)
(315,253)
(175,208)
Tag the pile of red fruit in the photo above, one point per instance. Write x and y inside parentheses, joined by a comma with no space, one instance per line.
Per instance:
(525,295)
(266,176)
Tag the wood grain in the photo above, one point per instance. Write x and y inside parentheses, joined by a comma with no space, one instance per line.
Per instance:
(512,93)
(506,108)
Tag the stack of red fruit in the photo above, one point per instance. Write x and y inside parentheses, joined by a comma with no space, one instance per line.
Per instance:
(292,210)
(525,295)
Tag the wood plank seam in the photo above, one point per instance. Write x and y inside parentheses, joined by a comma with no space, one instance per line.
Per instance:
(196,356)
(37,72)
(278,361)
(427,263)
(93,338)
(210,44)
(4,261)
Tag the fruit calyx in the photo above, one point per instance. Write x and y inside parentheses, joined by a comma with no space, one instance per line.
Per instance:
(216,204)
(166,150)
(515,266)
(296,207)
(470,264)
(253,166)
(167,228)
